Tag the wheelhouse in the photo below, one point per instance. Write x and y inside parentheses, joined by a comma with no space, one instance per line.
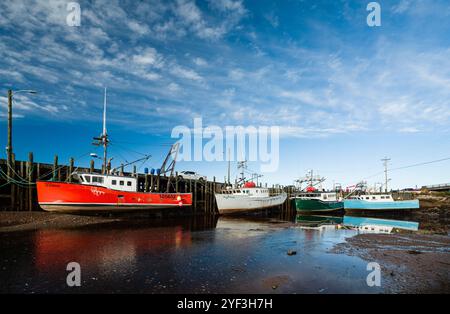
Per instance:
(119,183)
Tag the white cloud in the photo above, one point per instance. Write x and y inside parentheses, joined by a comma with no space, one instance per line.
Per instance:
(185,73)
(138,28)
(148,56)
(200,62)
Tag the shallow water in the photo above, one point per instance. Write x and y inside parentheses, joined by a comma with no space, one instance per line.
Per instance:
(201,255)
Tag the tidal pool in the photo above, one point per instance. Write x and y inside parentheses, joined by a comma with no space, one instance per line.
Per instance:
(191,255)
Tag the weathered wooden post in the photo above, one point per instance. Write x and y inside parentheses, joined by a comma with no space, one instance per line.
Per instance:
(152,182)
(55,167)
(69,174)
(205,203)
(11,178)
(134,171)
(146,184)
(92,166)
(30,173)
(21,189)
(195,196)
(213,197)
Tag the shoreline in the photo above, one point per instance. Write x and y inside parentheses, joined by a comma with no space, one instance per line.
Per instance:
(29,221)
(410,262)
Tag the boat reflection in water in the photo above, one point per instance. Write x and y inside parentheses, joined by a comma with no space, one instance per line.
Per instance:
(379,225)
(113,248)
(362,224)
(317,221)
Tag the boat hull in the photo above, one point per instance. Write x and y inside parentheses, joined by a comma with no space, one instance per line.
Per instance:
(355,205)
(73,197)
(232,204)
(314,205)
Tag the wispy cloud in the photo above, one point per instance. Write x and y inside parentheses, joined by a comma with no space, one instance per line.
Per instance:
(218,55)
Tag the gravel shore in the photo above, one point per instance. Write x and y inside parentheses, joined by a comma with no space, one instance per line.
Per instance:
(411,263)
(24,221)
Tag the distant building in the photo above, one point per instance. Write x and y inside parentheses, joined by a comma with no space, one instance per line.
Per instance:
(445,187)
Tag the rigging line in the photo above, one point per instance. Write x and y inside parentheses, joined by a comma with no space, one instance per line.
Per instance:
(127,149)
(19,177)
(62,166)
(420,164)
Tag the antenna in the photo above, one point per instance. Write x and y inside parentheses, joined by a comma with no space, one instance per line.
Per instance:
(385,163)
(242,165)
(103,139)
(104,114)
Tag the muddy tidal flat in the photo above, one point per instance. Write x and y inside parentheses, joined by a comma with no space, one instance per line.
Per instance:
(212,255)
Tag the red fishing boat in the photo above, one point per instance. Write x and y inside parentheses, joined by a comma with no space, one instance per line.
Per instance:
(104,192)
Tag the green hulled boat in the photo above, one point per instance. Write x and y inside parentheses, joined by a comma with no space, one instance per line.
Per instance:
(318,220)
(312,202)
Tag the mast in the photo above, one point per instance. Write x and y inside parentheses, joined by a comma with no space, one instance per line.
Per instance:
(385,163)
(102,140)
(105,137)
(242,165)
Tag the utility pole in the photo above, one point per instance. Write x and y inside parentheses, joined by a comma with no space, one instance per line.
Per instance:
(385,161)
(229,164)
(9,147)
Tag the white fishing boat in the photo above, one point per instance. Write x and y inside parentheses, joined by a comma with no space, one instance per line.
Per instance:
(246,196)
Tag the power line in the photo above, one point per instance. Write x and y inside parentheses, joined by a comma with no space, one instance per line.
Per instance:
(421,164)
(405,167)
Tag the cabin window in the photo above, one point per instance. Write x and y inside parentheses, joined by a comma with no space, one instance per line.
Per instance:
(114,182)
(367,197)
(121,182)
(97,179)
(88,179)
(128,183)
(373,197)
(82,179)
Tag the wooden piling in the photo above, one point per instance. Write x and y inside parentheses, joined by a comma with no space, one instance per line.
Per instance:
(146,183)
(69,174)
(11,178)
(55,167)
(31,179)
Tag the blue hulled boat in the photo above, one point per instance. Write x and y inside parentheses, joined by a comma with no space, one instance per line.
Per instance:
(378,202)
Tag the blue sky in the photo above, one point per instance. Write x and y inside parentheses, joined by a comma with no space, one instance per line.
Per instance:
(344,94)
